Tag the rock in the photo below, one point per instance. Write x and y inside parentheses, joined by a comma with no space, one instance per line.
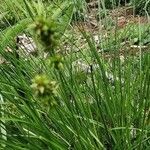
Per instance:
(26,44)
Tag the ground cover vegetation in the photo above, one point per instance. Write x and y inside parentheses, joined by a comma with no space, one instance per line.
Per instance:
(74,74)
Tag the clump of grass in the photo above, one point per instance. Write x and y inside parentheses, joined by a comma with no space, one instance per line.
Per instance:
(48,103)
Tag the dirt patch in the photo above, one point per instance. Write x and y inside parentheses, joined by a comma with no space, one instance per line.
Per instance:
(121,17)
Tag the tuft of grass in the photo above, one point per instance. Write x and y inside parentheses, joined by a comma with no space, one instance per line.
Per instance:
(78,100)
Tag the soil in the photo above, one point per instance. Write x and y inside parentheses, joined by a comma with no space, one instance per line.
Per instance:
(121,17)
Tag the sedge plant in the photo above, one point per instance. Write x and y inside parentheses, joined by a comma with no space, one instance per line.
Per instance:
(48,103)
